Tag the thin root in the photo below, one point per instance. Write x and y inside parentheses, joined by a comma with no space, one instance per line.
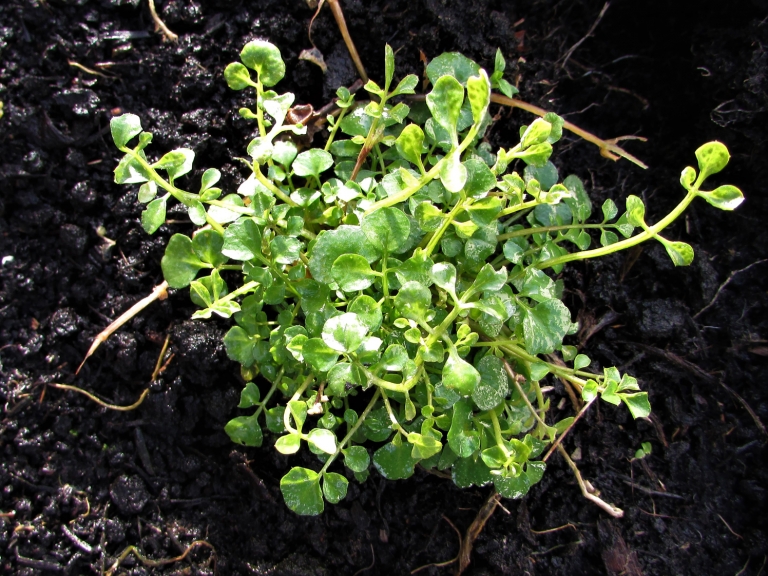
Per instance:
(560,438)
(447,562)
(342,24)
(475,529)
(722,287)
(373,562)
(159,365)
(608,148)
(609,508)
(160,25)
(101,402)
(551,530)
(157,563)
(159,293)
(591,31)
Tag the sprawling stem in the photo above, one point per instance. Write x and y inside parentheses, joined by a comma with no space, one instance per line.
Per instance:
(352,430)
(649,233)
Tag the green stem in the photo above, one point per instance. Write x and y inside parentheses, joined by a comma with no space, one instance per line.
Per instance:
(497,432)
(242,290)
(259,111)
(512,376)
(455,211)
(332,135)
(403,195)
(287,414)
(181,195)
(272,389)
(271,186)
(546,229)
(517,208)
(624,244)
(352,431)
(392,417)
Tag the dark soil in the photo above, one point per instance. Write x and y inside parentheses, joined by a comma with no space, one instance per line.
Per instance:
(80,483)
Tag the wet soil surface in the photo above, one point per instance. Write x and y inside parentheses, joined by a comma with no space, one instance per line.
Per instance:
(80,483)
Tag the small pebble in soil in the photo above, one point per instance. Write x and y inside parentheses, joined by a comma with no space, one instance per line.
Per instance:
(129,494)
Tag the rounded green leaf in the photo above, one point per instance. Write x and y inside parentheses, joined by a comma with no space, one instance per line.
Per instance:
(176,163)
(196,212)
(444,101)
(288,444)
(462,438)
(210,178)
(460,376)
(409,144)
(424,446)
(712,157)
(345,332)
(147,192)
(635,211)
(301,491)
(153,216)
(242,240)
(208,244)
(124,128)
(244,430)
(394,358)
(249,396)
(344,376)
(493,385)
(452,64)
(319,355)
(535,471)
(387,229)
(545,326)
(352,272)
(680,253)
(609,210)
(444,275)
(312,162)
(239,346)
(377,425)
(453,174)
(429,216)
(468,472)
(637,403)
(334,487)
(724,197)
(265,58)
(581,361)
(536,133)
(368,310)
(356,458)
(285,250)
(687,177)
(413,301)
(395,462)
(511,486)
(323,440)
(331,244)
(479,95)
(237,76)
(180,264)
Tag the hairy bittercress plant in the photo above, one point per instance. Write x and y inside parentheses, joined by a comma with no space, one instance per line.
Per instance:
(389,288)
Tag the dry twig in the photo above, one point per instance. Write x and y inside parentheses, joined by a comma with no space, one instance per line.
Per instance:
(159,293)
